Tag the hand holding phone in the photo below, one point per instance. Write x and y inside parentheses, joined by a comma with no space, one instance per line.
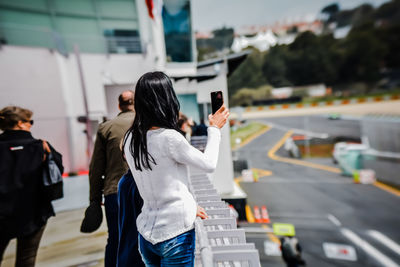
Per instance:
(219,118)
(217,101)
(219,112)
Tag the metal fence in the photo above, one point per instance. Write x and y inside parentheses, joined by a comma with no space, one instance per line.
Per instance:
(218,241)
(199,142)
(382,133)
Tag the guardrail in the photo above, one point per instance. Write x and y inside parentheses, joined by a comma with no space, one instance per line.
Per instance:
(385,164)
(218,241)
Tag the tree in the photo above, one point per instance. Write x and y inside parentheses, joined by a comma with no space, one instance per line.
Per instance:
(248,74)
(330,10)
(391,39)
(363,14)
(347,17)
(364,55)
(309,60)
(223,38)
(372,46)
(243,97)
(389,13)
(246,96)
(204,52)
(274,67)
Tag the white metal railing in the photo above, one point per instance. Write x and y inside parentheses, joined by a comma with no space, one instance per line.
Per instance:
(218,241)
(199,142)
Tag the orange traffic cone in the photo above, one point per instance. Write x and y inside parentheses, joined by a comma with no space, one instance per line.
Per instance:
(264,215)
(257,214)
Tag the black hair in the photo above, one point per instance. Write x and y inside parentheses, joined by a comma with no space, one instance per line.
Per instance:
(156,104)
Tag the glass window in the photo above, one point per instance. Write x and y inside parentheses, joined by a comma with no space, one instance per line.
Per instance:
(24,28)
(189,106)
(25,18)
(79,7)
(122,41)
(118,9)
(177,30)
(81,31)
(36,4)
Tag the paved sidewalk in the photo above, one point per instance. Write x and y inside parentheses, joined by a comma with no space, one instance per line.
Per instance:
(63,245)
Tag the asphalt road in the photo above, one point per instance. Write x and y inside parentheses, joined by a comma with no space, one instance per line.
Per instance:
(318,124)
(325,207)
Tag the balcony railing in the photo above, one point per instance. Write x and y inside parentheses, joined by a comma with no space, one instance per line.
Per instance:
(26,35)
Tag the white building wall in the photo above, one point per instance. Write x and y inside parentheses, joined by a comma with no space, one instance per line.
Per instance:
(49,85)
(223,176)
(30,78)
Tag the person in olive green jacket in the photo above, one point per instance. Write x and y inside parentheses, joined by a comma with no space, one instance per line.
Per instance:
(107,166)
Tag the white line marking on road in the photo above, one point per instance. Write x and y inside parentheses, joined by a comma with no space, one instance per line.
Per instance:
(385,240)
(257,230)
(303,181)
(384,260)
(300,215)
(339,251)
(299,131)
(334,220)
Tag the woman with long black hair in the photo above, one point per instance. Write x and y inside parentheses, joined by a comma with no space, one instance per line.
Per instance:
(158,156)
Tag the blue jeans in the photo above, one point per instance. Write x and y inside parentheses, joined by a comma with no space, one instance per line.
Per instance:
(177,251)
(111,207)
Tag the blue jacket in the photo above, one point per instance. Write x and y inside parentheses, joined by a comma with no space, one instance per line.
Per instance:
(129,207)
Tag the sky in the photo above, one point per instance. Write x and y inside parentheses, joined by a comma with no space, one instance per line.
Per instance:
(214,14)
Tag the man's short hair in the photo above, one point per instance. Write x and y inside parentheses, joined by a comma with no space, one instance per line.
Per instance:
(124,102)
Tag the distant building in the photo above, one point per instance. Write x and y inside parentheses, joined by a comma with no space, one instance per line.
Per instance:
(262,41)
(341,32)
(282,92)
(314,90)
(264,37)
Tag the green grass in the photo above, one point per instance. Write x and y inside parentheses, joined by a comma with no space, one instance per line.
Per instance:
(246,132)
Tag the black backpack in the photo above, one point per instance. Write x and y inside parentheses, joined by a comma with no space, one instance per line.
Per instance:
(289,250)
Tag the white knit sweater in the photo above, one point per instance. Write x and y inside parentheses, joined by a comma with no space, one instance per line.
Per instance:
(169,208)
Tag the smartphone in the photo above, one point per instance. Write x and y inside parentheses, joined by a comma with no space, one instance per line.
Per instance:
(217,101)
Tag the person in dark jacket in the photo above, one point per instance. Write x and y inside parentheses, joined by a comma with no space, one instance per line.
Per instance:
(24,209)
(107,166)
(201,129)
(129,207)
(291,251)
